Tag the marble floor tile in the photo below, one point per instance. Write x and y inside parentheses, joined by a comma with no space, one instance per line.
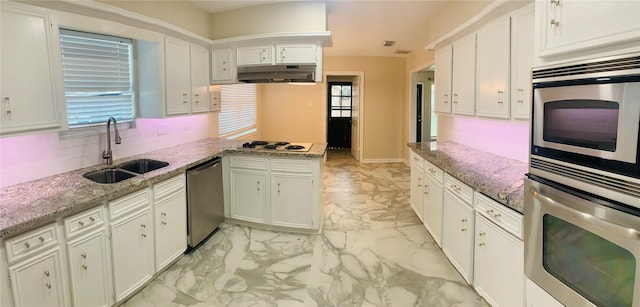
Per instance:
(373,251)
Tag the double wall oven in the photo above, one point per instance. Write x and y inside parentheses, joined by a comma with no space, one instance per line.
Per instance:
(582,194)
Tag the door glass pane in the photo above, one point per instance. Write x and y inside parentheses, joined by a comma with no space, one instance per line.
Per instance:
(346,90)
(584,123)
(336,90)
(596,268)
(346,102)
(335,113)
(335,101)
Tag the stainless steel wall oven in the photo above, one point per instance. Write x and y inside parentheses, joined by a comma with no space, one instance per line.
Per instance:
(582,195)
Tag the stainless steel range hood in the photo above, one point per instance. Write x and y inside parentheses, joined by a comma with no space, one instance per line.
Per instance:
(277,73)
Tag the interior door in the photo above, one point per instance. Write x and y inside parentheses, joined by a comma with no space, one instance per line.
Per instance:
(339,115)
(419,92)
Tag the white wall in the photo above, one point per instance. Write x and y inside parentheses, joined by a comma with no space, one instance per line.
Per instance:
(30,157)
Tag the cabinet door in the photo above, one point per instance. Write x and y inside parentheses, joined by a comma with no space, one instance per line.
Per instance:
(170,228)
(522,57)
(38,281)
(493,69)
(417,189)
(463,76)
(499,261)
(199,79)
(132,250)
(433,203)
(442,76)
(576,25)
(89,264)
(221,68)
(457,235)
(248,197)
(296,53)
(291,200)
(254,55)
(28,89)
(177,76)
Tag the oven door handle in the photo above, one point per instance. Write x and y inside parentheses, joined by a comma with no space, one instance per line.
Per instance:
(586,217)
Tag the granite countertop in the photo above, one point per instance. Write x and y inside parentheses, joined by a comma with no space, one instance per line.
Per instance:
(500,178)
(32,204)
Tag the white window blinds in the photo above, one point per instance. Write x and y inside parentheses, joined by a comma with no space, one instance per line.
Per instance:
(238,110)
(98,78)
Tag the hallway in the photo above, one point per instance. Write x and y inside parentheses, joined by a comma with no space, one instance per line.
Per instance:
(372,251)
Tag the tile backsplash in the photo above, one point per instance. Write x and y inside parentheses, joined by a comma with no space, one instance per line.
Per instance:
(30,157)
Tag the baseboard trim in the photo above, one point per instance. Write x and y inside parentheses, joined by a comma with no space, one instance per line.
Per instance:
(399,160)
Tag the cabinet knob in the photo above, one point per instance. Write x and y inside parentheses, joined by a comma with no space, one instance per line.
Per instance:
(81,223)
(7,106)
(48,285)
(91,218)
(555,23)
(46,273)
(481,233)
(41,239)
(481,244)
(83,255)
(163,223)
(463,220)
(555,2)
(463,229)
(84,266)
(27,245)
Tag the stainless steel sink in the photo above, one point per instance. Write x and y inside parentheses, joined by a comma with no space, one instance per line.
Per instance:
(109,175)
(142,166)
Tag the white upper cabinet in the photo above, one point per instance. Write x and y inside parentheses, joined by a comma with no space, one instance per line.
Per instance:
(493,69)
(522,58)
(296,53)
(222,66)
(177,76)
(567,26)
(31,89)
(255,55)
(463,84)
(442,76)
(199,79)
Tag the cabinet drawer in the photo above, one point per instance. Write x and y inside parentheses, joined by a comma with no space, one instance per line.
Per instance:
(433,171)
(458,188)
(83,221)
(168,186)
(291,165)
(415,158)
(129,203)
(248,162)
(504,217)
(31,243)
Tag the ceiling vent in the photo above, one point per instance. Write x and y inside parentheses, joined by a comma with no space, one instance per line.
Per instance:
(389,43)
(402,51)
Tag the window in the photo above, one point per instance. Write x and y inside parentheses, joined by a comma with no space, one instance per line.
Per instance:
(237,110)
(340,99)
(98,78)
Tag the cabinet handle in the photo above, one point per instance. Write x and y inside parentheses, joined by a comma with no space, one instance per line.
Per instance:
(555,2)
(278,187)
(27,245)
(481,233)
(84,266)
(91,218)
(463,229)
(48,285)
(197,98)
(463,220)
(143,234)
(555,23)
(83,255)
(497,215)
(7,106)
(481,244)
(490,211)
(41,239)
(46,273)
(81,223)
(184,98)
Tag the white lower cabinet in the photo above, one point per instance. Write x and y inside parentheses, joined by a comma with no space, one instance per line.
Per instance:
(417,188)
(457,234)
(433,201)
(291,199)
(89,265)
(499,261)
(38,281)
(274,191)
(248,195)
(170,219)
(132,243)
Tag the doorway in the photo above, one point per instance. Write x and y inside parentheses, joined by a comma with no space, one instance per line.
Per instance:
(339,113)
(423,124)
(419,102)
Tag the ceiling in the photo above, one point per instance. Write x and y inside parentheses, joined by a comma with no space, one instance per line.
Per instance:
(359,28)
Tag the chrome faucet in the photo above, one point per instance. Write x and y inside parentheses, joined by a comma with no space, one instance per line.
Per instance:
(106,154)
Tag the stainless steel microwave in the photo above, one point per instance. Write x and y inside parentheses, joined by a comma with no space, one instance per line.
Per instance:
(586,123)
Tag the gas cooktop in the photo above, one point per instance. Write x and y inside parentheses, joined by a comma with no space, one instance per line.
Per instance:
(282,146)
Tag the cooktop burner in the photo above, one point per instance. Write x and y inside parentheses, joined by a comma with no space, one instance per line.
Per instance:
(285,146)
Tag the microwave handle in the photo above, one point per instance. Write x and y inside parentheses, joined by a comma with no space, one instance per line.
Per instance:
(631,233)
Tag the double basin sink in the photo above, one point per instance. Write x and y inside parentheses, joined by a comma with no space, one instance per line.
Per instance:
(125,171)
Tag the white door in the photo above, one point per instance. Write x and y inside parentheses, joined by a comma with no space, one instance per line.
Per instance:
(255,55)
(493,69)
(463,84)
(417,189)
(177,76)
(499,261)
(457,235)
(199,79)
(132,252)
(433,206)
(522,58)
(89,264)
(38,281)
(171,228)
(248,195)
(296,53)
(442,76)
(291,200)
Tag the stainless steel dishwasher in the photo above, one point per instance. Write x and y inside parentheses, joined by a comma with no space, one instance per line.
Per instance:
(205,203)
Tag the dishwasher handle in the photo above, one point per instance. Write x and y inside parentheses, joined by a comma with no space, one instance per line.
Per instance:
(196,170)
